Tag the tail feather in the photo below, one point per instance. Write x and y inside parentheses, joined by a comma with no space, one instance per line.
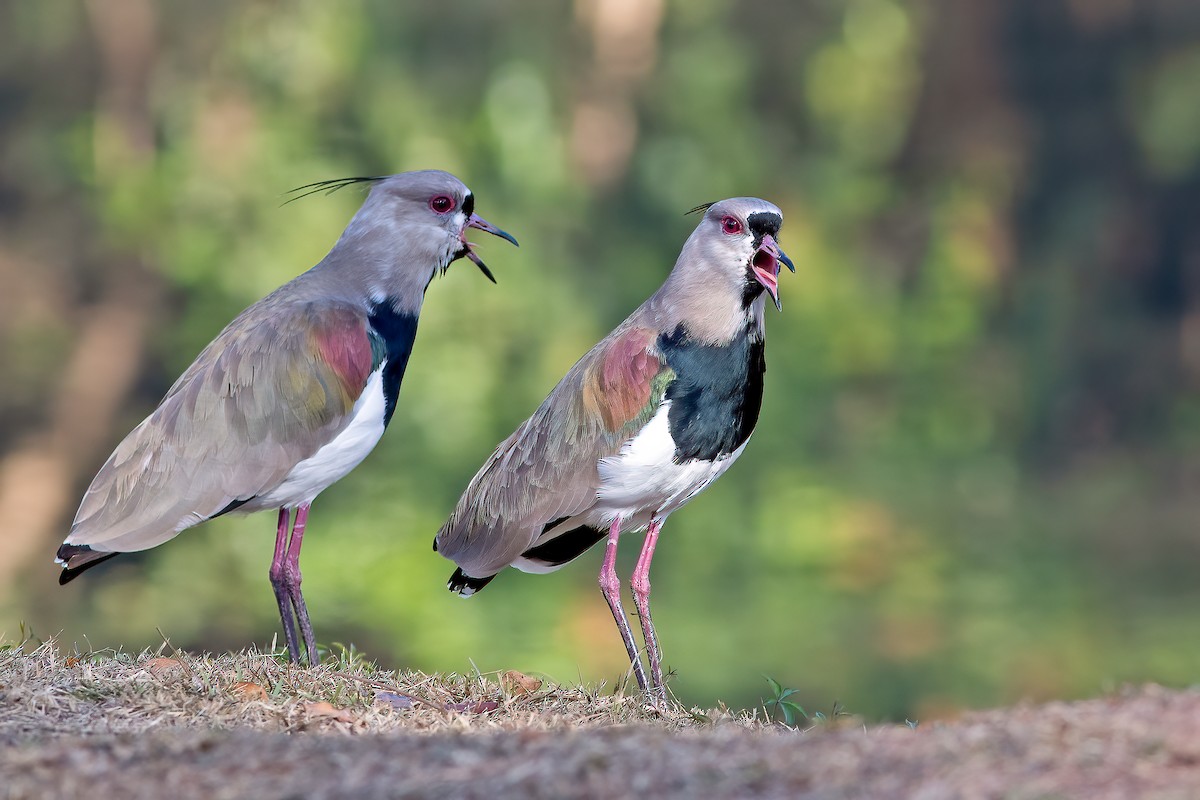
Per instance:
(464,585)
(78,558)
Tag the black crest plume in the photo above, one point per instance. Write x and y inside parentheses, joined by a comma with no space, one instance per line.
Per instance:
(328,187)
(701,207)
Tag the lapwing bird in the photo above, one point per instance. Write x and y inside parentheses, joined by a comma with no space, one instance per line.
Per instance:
(291,395)
(638,427)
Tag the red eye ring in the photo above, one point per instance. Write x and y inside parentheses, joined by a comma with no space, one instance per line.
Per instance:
(442,203)
(731,225)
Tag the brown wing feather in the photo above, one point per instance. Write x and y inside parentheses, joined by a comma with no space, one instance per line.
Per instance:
(548,469)
(265,395)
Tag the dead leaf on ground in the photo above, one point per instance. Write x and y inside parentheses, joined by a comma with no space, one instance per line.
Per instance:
(71,661)
(519,684)
(160,667)
(246,690)
(394,700)
(481,707)
(324,710)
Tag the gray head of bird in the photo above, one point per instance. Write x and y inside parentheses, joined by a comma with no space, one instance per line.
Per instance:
(739,237)
(424,215)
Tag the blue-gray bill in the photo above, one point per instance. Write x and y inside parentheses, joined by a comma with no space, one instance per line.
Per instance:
(479,222)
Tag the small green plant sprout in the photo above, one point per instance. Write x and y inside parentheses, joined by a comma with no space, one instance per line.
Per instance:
(779,704)
(837,711)
(348,656)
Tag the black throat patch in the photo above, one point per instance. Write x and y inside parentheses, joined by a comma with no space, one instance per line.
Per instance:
(392,335)
(716,395)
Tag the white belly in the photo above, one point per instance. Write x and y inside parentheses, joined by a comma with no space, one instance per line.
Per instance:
(643,480)
(336,458)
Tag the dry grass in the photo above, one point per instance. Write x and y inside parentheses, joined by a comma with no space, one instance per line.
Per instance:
(247,725)
(49,694)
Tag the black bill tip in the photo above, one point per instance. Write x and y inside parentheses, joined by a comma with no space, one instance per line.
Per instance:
(787,262)
(505,235)
(482,266)
(476,221)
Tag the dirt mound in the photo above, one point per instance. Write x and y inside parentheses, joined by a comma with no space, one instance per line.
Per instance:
(245,725)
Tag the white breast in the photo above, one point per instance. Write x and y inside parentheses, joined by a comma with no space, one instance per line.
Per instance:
(644,480)
(339,456)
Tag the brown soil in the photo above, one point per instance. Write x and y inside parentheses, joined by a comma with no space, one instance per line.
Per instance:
(245,725)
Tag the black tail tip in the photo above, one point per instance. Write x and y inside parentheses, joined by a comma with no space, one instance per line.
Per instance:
(85,558)
(463,584)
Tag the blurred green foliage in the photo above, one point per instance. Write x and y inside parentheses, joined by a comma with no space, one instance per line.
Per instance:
(975,475)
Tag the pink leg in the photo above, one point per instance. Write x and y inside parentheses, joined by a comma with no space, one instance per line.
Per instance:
(610,585)
(291,571)
(640,583)
(279,585)
(285,580)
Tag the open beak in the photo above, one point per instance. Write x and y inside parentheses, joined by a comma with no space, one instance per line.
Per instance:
(765,266)
(468,250)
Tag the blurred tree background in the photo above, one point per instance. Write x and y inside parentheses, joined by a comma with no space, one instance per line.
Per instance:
(977,474)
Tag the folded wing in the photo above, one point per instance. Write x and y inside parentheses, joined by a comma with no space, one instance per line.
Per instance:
(547,471)
(268,392)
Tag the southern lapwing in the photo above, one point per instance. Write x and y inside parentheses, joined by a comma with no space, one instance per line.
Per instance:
(638,427)
(291,396)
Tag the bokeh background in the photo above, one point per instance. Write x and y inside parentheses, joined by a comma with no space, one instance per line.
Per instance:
(976,478)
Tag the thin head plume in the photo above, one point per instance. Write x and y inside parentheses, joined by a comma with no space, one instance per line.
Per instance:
(328,187)
(697,209)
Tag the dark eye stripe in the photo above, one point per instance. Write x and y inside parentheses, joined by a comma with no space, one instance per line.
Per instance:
(468,205)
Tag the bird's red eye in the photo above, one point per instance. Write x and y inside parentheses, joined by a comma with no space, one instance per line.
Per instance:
(731,225)
(442,203)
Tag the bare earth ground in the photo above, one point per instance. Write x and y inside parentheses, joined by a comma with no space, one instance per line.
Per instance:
(244,725)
